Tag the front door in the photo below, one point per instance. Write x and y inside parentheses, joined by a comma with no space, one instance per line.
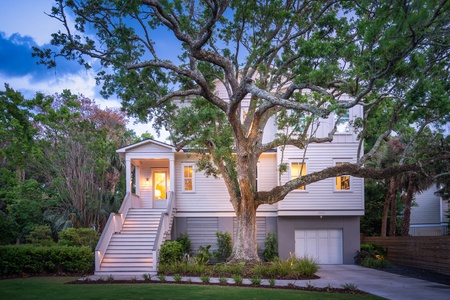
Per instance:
(160,188)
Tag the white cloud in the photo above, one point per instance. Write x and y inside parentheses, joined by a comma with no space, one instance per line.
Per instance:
(82,82)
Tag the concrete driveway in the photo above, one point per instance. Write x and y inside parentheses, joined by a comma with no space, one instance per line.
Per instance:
(383,284)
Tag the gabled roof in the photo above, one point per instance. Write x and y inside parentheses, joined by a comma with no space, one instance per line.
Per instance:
(144,142)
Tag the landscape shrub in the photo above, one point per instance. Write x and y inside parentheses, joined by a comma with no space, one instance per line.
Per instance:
(371,256)
(29,259)
(41,236)
(170,252)
(78,237)
(293,268)
(304,266)
(203,255)
(225,246)
(271,247)
(185,243)
(185,267)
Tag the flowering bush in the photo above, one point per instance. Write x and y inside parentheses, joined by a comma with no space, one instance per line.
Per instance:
(371,256)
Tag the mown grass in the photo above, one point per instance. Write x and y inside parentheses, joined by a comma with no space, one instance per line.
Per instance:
(55,288)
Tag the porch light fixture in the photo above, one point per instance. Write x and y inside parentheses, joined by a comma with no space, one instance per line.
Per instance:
(147,182)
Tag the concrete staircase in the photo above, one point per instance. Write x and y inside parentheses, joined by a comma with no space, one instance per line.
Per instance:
(130,251)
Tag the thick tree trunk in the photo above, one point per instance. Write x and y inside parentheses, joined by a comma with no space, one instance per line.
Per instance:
(407,200)
(392,192)
(244,244)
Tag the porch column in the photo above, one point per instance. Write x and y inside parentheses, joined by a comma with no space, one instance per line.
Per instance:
(138,180)
(128,175)
(172,173)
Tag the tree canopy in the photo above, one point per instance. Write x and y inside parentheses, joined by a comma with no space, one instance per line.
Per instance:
(294,60)
(58,163)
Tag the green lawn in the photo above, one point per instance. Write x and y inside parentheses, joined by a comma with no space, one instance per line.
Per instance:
(54,288)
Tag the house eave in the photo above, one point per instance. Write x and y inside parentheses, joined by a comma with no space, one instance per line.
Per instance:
(125,149)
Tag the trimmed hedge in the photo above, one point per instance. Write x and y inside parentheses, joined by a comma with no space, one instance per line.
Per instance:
(29,259)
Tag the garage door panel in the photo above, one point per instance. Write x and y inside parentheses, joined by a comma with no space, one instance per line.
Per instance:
(324,245)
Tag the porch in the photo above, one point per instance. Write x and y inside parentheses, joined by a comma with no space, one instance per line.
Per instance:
(130,242)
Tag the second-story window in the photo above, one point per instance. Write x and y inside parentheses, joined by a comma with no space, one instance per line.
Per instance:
(343,181)
(298,169)
(343,124)
(188,178)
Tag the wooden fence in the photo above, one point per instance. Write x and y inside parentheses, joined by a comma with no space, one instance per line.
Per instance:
(426,252)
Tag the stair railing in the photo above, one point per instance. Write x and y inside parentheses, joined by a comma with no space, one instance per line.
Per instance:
(113,225)
(164,225)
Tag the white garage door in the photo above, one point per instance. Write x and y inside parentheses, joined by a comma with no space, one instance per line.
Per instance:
(325,245)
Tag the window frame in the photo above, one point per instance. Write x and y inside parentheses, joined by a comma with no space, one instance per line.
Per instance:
(350,178)
(183,185)
(305,168)
(349,120)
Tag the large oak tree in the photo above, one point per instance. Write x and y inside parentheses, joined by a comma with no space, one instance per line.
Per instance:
(391,57)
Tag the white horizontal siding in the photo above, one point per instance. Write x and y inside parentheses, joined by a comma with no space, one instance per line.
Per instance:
(210,194)
(428,209)
(320,196)
(267,177)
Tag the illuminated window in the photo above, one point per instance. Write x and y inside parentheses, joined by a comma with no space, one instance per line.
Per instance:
(298,169)
(342,181)
(188,178)
(343,125)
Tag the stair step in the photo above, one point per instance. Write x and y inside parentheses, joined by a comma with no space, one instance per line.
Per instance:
(128,251)
(133,238)
(145,260)
(137,274)
(127,265)
(131,247)
(128,255)
(141,223)
(143,235)
(131,242)
(143,231)
(107,270)
(150,211)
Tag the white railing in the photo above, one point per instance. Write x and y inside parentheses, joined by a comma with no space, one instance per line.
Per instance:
(428,230)
(164,227)
(113,225)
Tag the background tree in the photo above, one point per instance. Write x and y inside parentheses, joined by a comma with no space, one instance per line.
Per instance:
(22,201)
(273,51)
(58,164)
(78,142)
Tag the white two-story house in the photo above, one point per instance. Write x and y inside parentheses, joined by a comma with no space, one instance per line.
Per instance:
(167,197)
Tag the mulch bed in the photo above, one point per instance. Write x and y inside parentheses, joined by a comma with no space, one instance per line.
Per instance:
(418,273)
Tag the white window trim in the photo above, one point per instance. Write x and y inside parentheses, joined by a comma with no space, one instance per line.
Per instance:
(342,160)
(193,177)
(299,161)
